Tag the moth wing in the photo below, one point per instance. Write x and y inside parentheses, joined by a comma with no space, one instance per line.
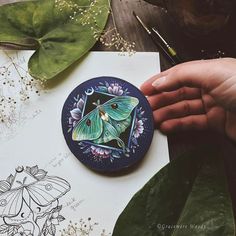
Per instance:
(11,202)
(122,125)
(109,133)
(88,128)
(47,190)
(120,108)
(40,211)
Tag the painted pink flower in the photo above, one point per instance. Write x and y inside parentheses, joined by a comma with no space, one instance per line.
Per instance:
(138,130)
(115,89)
(100,152)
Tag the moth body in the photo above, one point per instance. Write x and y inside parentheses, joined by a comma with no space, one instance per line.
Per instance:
(104,116)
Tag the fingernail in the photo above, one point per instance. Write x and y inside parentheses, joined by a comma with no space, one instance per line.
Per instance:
(159,81)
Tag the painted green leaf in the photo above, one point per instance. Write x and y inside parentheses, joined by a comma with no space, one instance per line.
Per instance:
(187,197)
(55,28)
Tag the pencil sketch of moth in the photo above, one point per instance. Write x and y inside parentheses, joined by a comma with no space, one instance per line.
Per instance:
(107,121)
(29,201)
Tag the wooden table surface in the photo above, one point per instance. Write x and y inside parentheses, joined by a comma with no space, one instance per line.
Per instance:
(155,16)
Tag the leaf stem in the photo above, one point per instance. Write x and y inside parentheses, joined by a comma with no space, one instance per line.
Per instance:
(28,44)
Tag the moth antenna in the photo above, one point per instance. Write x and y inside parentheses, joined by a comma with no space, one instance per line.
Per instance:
(96,103)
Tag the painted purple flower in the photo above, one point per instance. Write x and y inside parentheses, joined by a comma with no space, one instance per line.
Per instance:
(80,104)
(76,113)
(138,129)
(100,152)
(115,89)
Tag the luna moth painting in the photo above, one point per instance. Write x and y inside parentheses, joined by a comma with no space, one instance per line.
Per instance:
(107,121)
(29,202)
(107,124)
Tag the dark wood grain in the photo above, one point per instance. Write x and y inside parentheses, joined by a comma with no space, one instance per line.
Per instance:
(129,28)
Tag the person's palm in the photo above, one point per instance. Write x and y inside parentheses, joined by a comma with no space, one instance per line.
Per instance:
(197,95)
(218,118)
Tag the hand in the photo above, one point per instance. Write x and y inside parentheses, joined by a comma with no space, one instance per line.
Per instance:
(195,95)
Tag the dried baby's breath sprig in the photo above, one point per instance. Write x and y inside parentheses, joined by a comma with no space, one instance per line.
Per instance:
(63,4)
(89,16)
(16,88)
(7,107)
(86,13)
(82,228)
(69,6)
(104,233)
(112,38)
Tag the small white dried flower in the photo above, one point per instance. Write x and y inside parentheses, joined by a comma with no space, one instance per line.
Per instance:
(89,15)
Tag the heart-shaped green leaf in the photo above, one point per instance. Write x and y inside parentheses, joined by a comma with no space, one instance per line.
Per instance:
(61,31)
(187,197)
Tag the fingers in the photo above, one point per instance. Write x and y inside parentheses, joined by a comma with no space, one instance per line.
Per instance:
(199,74)
(189,75)
(167,98)
(178,110)
(196,122)
(177,95)
(147,87)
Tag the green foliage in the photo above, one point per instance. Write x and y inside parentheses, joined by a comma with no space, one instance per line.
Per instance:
(187,197)
(61,31)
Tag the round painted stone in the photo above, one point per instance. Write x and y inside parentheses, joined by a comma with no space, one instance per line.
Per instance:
(108,124)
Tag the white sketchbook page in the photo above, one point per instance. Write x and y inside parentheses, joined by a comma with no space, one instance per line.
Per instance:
(39,141)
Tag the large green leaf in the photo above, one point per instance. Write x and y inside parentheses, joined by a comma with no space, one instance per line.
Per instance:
(55,29)
(187,197)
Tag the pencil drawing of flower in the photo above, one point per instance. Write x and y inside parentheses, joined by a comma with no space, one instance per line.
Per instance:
(22,232)
(53,219)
